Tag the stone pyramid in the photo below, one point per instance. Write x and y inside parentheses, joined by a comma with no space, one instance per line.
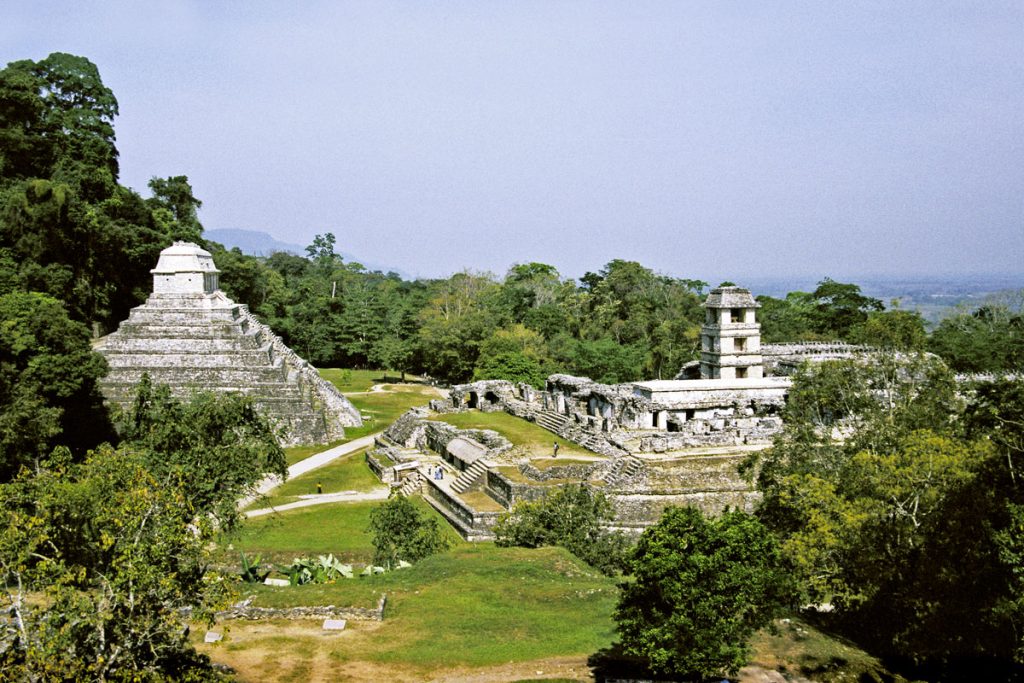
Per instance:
(190,336)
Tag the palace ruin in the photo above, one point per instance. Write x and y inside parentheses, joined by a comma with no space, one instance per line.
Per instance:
(653,444)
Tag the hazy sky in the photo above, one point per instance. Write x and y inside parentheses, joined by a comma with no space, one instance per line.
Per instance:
(711,140)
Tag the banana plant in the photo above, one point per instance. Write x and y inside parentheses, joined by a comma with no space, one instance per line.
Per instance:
(251,572)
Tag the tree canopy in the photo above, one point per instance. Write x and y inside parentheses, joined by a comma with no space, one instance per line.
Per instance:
(698,589)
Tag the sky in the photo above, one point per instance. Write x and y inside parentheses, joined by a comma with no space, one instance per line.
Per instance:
(702,139)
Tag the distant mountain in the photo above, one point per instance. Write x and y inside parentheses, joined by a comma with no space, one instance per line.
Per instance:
(252,242)
(257,243)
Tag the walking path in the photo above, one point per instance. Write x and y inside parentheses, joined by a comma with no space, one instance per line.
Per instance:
(319,499)
(319,460)
(308,465)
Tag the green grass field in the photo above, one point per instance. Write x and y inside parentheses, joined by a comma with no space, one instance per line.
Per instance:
(338,528)
(352,380)
(475,605)
(536,440)
(348,473)
(294,454)
(381,408)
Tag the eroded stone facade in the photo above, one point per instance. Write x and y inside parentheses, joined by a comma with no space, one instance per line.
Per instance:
(190,336)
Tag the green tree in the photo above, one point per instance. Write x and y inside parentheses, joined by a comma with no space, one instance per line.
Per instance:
(787,320)
(840,307)
(175,209)
(458,317)
(402,532)
(573,517)
(48,382)
(513,366)
(603,360)
(988,339)
(217,445)
(917,500)
(57,122)
(73,232)
(96,563)
(899,330)
(698,591)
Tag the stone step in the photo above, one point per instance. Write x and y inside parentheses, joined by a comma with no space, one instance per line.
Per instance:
(112,344)
(553,422)
(472,476)
(200,358)
(623,469)
(412,485)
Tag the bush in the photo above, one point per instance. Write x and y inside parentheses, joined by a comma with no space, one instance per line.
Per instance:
(401,532)
(570,517)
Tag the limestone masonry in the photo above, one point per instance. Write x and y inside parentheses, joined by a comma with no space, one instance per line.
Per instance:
(190,336)
(652,444)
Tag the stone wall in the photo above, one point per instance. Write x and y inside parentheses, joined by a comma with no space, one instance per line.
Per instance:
(581,472)
(640,510)
(437,435)
(328,612)
(508,492)
(473,525)
(409,429)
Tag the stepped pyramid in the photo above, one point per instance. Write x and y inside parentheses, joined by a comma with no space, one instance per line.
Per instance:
(190,336)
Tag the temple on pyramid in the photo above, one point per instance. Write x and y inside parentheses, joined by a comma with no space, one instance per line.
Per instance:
(190,336)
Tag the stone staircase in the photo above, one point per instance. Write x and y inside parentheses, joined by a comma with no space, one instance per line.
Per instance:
(622,470)
(413,484)
(599,444)
(552,421)
(472,476)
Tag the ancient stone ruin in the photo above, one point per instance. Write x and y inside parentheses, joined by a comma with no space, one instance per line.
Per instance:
(190,336)
(652,444)
(648,445)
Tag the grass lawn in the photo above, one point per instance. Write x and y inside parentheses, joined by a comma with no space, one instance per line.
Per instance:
(481,501)
(294,454)
(381,408)
(535,439)
(347,473)
(338,528)
(352,380)
(361,380)
(477,605)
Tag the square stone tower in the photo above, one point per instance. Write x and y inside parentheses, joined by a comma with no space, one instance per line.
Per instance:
(731,336)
